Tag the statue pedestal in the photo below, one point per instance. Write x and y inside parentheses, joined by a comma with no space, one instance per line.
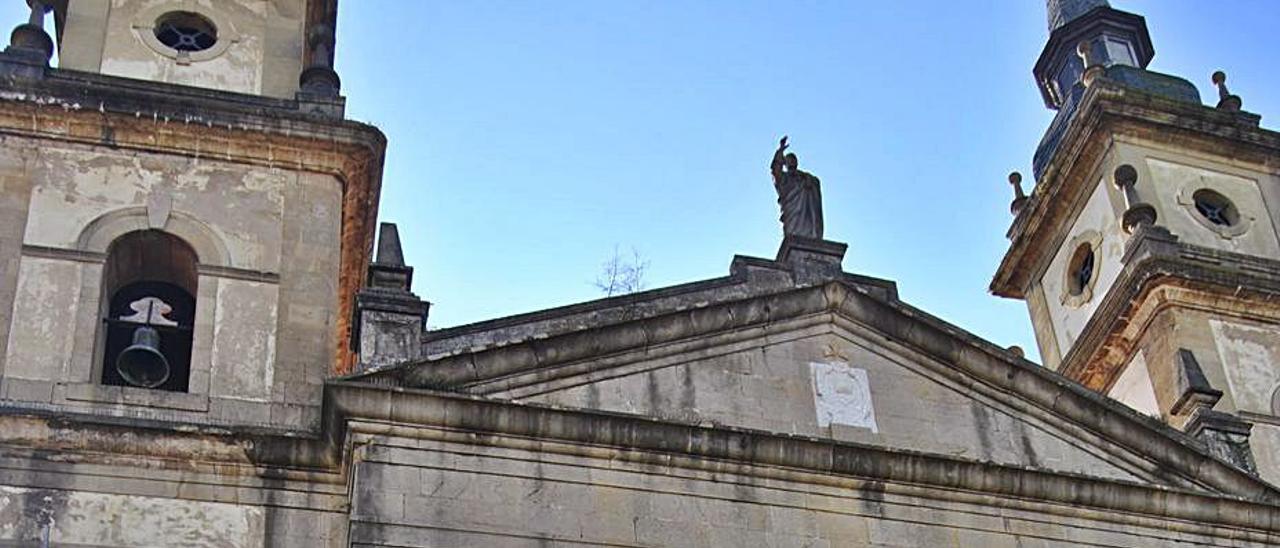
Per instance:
(811,259)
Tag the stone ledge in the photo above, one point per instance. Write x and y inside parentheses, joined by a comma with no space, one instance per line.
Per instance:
(127,395)
(95,257)
(404,412)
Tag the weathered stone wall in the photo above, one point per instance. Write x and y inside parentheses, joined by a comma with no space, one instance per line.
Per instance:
(91,483)
(838,384)
(1247,356)
(268,243)
(15,192)
(438,489)
(130,512)
(259,50)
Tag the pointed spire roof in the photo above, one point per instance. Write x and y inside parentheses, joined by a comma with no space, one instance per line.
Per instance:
(1062,12)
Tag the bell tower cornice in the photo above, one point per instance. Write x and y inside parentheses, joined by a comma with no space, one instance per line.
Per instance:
(1109,112)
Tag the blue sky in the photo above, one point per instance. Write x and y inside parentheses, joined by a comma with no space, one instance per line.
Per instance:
(528,139)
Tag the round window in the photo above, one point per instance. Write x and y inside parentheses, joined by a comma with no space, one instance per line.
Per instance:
(1080,269)
(1215,208)
(186,31)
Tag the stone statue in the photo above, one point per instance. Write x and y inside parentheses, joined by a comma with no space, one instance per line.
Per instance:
(799,195)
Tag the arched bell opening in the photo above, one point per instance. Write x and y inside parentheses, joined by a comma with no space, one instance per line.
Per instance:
(148,287)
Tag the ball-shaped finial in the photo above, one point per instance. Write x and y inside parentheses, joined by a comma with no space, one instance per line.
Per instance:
(1019,198)
(1219,78)
(1017,351)
(1125,175)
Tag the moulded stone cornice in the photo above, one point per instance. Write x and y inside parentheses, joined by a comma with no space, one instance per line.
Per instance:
(1109,109)
(379,412)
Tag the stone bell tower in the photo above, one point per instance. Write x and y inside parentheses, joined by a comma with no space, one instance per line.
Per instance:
(1148,251)
(185,215)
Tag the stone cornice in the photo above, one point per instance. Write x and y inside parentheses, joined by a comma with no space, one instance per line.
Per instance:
(377,411)
(1160,273)
(1108,109)
(121,113)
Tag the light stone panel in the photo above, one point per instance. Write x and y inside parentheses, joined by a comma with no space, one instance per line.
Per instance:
(1249,356)
(244,339)
(1177,179)
(1134,389)
(1264,441)
(46,303)
(770,387)
(77,518)
(1098,221)
(15,193)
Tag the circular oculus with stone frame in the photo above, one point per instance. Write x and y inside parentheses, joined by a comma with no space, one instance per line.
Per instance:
(185,31)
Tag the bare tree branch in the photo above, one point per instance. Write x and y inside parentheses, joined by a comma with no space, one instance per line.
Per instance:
(620,275)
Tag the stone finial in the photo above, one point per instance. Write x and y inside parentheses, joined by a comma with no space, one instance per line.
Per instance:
(1125,176)
(1019,197)
(1226,101)
(1093,67)
(29,41)
(1136,211)
(389,250)
(319,78)
(388,270)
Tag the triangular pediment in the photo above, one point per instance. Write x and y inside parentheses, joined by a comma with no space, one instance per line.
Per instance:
(843,362)
(839,380)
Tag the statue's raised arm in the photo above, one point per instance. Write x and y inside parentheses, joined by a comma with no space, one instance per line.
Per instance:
(776,166)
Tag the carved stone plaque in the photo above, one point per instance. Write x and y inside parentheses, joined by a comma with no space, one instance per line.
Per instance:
(842,395)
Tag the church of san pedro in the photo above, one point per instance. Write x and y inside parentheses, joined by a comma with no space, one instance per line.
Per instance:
(208,340)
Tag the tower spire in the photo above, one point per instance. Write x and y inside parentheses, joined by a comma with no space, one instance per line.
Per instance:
(1111,37)
(1062,12)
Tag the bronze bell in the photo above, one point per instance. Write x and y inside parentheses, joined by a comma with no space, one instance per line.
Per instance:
(142,364)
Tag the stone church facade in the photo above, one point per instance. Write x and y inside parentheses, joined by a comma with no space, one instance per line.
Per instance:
(201,345)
